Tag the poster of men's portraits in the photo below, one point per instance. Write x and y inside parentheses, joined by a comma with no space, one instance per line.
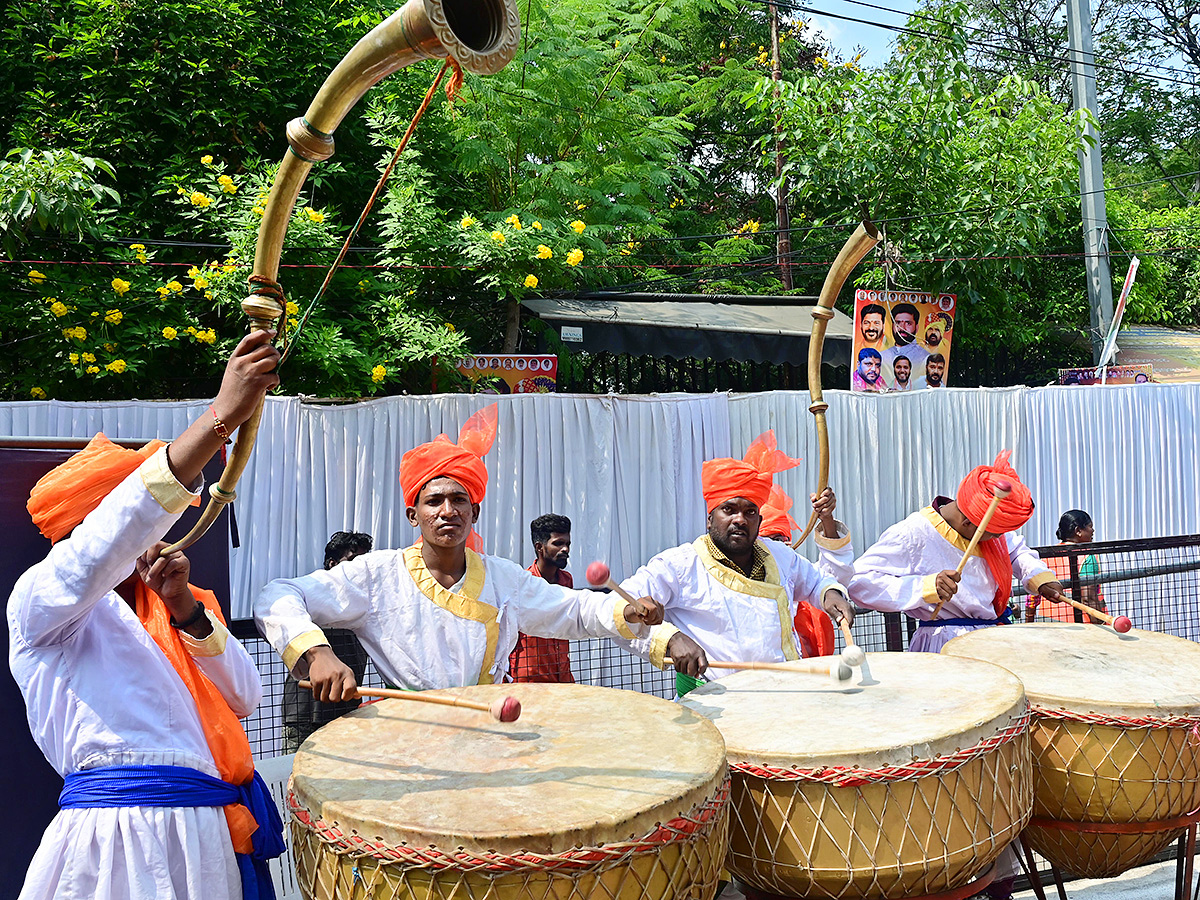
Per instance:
(901,340)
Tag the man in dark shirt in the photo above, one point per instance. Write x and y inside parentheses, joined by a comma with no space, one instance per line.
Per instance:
(538,658)
(302,714)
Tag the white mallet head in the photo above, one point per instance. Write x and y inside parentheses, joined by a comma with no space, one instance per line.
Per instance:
(840,673)
(854,655)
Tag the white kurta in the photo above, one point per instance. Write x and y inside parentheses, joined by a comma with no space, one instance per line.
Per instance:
(726,613)
(897,574)
(836,555)
(421,635)
(100,692)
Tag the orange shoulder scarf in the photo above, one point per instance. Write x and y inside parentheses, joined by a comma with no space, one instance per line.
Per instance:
(226,738)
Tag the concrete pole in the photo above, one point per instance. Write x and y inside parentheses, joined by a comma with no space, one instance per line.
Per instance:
(1091,175)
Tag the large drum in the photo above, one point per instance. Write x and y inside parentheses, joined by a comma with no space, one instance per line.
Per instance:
(591,793)
(1115,746)
(908,786)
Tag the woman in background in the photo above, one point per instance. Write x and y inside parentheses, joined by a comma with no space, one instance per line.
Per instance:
(1074,527)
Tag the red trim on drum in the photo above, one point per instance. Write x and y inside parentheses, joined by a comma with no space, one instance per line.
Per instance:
(1118,827)
(1118,721)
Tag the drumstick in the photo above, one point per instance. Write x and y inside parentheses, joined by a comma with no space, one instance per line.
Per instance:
(599,576)
(853,655)
(835,667)
(503,709)
(1001,488)
(1120,624)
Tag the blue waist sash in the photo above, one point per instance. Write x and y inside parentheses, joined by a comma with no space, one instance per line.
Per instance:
(179,786)
(1005,619)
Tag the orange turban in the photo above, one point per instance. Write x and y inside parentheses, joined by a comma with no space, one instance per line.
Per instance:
(975,494)
(751,477)
(776,518)
(65,495)
(974,497)
(462,461)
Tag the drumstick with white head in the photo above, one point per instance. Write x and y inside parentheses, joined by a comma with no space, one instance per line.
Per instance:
(502,709)
(1119,624)
(853,655)
(833,666)
(1001,488)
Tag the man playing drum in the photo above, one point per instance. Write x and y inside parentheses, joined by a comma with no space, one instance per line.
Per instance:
(731,593)
(438,614)
(133,684)
(914,563)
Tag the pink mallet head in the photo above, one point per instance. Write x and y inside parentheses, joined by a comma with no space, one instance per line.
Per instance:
(597,573)
(1001,488)
(1121,624)
(506,709)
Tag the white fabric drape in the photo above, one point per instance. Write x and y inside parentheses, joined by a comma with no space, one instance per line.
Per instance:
(627,469)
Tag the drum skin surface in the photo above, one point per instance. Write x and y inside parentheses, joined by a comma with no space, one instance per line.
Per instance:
(909,785)
(1113,736)
(592,792)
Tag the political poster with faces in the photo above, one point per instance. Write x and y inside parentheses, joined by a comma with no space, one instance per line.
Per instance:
(901,340)
(510,373)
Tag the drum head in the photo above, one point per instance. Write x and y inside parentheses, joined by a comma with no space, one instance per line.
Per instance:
(1092,669)
(583,766)
(921,706)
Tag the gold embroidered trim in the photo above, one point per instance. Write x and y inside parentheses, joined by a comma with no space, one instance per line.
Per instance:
(770,589)
(465,604)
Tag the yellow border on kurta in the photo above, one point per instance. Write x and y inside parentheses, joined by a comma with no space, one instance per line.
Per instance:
(465,604)
(771,589)
(944,529)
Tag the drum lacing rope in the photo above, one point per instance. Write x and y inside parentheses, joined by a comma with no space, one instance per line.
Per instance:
(1118,721)
(855,776)
(696,823)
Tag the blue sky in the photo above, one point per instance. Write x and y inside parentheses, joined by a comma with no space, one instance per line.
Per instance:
(846,35)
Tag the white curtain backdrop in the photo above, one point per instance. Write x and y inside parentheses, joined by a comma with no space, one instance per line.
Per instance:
(627,469)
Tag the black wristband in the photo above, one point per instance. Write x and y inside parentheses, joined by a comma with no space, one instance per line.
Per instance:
(196,616)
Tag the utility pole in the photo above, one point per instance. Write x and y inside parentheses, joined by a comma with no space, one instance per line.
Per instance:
(1091,175)
(783,238)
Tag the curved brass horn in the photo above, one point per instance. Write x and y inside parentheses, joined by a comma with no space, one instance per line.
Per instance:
(859,244)
(481,35)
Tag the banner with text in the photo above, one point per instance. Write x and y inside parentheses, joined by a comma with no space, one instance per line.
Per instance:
(510,373)
(901,340)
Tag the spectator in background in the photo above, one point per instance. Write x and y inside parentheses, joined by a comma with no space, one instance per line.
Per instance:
(302,713)
(1074,527)
(538,658)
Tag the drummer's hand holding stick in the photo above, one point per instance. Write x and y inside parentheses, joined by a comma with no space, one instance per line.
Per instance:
(1053,590)
(686,655)
(946,582)
(331,681)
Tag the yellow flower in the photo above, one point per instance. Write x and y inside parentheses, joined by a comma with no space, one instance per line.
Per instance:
(751,227)
(120,286)
(137,246)
(293,324)
(207,337)
(206,159)
(663,58)
(579,204)
(193,272)
(722,45)
(78,333)
(170,333)
(203,201)
(258,210)
(314,215)
(162,291)
(92,370)
(74,357)
(117,365)
(515,221)
(450,327)
(114,317)
(498,237)
(293,309)
(200,282)
(575,257)
(378,374)
(536,225)
(37,393)
(142,257)
(181,190)
(59,308)
(191,329)
(174,286)
(544,252)
(578,227)
(227,184)
(110,347)
(208,295)
(36,277)
(531,281)
(467,222)
(616,44)
(89,357)
(362,286)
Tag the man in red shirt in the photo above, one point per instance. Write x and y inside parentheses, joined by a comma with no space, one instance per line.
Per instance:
(538,658)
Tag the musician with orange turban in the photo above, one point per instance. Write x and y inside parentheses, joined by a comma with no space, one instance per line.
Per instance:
(133,684)
(731,593)
(437,614)
(912,565)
